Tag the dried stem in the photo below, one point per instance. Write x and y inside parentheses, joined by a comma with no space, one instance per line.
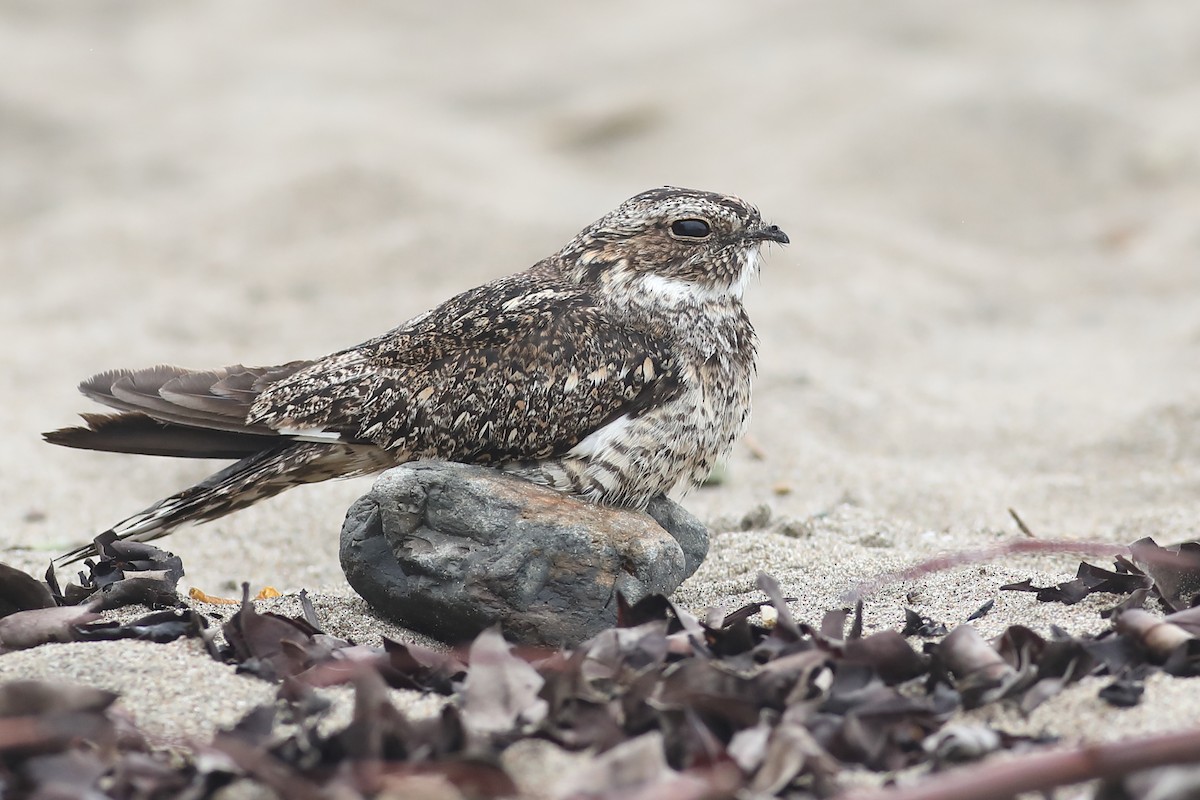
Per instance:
(1041,772)
(1021,524)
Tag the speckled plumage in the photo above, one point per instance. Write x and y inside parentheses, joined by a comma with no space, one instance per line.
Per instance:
(615,370)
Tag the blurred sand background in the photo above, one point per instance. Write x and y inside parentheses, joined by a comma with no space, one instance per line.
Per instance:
(991,299)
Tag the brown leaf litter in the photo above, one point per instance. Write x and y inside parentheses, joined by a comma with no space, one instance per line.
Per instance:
(668,704)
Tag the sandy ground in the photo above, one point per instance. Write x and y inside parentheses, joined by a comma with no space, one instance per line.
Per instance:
(991,300)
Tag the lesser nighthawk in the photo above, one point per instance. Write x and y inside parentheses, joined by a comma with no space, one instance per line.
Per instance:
(615,370)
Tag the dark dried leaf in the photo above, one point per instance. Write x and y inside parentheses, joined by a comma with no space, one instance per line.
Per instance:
(1126,690)
(1174,570)
(833,624)
(797,676)
(139,556)
(957,744)
(1099,579)
(690,742)
(52,583)
(275,647)
(255,727)
(747,611)
(1115,653)
(852,686)
(856,627)
(1088,579)
(982,611)
(156,592)
(377,727)
(161,627)
(919,625)
(412,666)
(147,775)
(259,642)
(26,698)
(884,730)
(68,774)
(1135,599)
(1188,619)
(638,714)
(786,627)
(127,573)
(500,689)
(980,673)
(37,626)
(577,723)
(733,638)
(892,658)
(788,750)
(21,592)
(310,613)
(1184,661)
(265,768)
(40,718)
(726,699)
(635,763)
(1159,638)
(651,608)
(1021,647)
(623,652)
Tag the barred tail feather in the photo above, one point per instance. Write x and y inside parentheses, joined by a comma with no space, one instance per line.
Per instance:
(241,484)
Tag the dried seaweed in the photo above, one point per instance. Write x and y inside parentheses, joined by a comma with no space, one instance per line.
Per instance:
(22,592)
(1171,573)
(126,573)
(413,666)
(274,647)
(34,613)
(916,624)
(38,626)
(1175,571)
(159,626)
(670,704)
(1088,580)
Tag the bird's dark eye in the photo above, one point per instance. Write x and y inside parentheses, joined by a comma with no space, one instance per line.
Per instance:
(690,228)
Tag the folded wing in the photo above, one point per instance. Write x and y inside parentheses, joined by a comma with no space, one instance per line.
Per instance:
(514,370)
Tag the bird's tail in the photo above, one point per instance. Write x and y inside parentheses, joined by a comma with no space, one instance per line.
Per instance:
(241,484)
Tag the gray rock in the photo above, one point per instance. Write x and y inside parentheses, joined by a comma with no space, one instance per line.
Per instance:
(451,549)
(688,531)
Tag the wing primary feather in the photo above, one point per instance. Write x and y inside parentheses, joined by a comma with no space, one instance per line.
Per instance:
(208,399)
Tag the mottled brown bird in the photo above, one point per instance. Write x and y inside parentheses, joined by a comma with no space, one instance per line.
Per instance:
(615,370)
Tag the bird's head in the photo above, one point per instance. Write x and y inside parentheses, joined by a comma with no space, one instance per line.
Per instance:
(674,242)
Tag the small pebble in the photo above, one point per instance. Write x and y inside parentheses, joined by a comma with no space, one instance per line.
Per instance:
(756,518)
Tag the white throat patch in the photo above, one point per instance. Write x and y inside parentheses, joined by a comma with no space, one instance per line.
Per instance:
(674,290)
(749,272)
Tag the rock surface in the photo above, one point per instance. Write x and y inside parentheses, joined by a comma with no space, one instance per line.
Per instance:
(451,549)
